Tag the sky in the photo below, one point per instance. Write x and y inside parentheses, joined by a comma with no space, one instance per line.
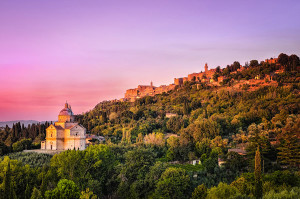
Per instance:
(86,52)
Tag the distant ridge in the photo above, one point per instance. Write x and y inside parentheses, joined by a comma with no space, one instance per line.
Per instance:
(25,122)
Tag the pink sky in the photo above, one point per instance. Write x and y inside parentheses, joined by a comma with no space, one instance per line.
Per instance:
(89,51)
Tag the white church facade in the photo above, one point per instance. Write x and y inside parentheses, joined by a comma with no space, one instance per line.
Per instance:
(65,133)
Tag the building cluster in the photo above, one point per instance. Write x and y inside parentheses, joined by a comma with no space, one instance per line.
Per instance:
(206,76)
(271,61)
(146,90)
(150,90)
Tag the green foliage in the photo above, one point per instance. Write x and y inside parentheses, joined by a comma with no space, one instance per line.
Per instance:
(290,150)
(87,194)
(36,194)
(235,162)
(174,183)
(257,174)
(91,166)
(7,183)
(3,149)
(243,186)
(294,193)
(32,159)
(137,164)
(222,191)
(200,192)
(65,189)
(21,145)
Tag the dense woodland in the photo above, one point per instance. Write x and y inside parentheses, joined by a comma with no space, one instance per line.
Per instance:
(148,155)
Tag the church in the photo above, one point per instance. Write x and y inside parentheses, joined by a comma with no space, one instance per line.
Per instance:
(65,133)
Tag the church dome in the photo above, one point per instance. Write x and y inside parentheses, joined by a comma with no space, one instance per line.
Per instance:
(67,110)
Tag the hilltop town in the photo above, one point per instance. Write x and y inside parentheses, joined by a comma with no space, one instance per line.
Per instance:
(211,77)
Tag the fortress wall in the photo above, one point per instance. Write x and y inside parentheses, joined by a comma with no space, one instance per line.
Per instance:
(178,81)
(131,93)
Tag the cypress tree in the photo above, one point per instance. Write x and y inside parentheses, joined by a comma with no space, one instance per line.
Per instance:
(44,184)
(8,189)
(186,108)
(257,175)
(27,192)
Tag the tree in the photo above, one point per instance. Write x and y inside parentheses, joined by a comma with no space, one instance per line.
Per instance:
(137,165)
(3,149)
(242,185)
(253,63)
(218,69)
(215,76)
(222,191)
(36,194)
(64,189)
(174,183)
(289,152)
(139,139)
(155,139)
(27,192)
(153,176)
(294,61)
(235,162)
(283,59)
(126,137)
(226,72)
(186,107)
(203,147)
(258,191)
(294,193)
(236,65)
(87,194)
(175,123)
(93,165)
(7,184)
(200,192)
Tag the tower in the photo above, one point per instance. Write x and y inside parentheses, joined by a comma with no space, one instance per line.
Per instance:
(151,84)
(206,68)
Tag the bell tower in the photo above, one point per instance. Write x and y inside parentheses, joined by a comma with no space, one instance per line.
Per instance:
(206,68)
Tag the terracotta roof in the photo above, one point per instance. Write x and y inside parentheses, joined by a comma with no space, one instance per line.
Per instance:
(71,126)
(75,125)
(59,127)
(240,151)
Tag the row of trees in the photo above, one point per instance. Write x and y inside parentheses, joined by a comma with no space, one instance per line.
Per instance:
(20,137)
(131,171)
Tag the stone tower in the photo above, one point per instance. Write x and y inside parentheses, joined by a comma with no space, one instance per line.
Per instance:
(151,84)
(206,68)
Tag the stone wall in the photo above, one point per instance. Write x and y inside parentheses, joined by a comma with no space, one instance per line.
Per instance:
(145,90)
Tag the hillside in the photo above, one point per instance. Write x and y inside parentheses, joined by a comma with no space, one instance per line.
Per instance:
(199,139)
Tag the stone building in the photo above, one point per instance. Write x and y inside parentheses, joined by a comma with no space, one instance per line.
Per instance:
(146,90)
(272,61)
(65,133)
(205,76)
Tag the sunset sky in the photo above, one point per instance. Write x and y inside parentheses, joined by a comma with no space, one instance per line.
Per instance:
(89,51)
